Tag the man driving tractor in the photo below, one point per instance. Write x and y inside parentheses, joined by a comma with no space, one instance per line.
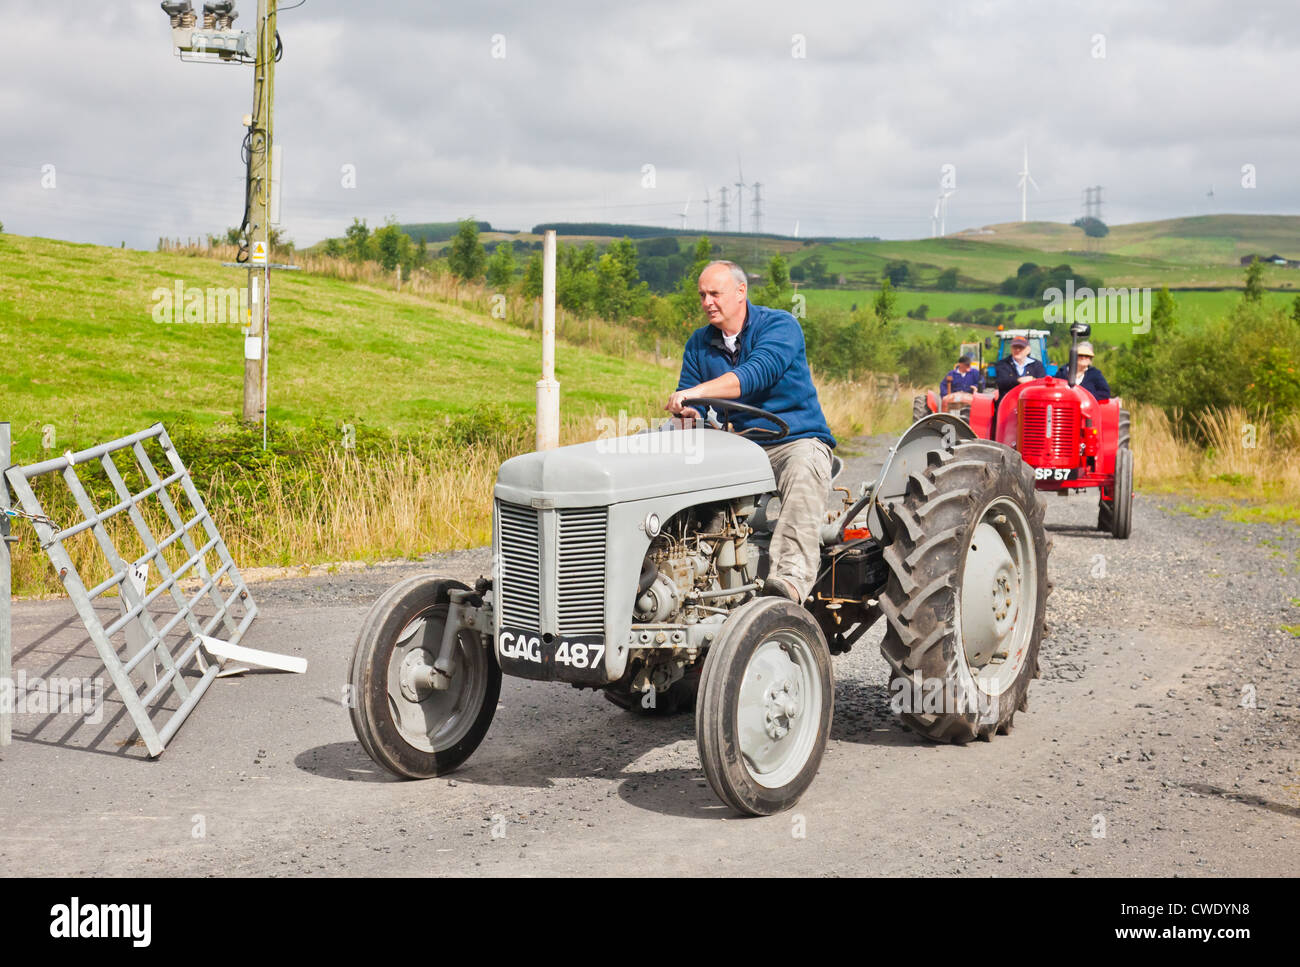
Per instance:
(756,355)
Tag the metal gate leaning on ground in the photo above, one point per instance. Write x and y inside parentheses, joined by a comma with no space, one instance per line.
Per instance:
(144,641)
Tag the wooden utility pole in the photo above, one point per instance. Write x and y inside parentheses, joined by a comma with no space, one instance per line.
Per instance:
(258,228)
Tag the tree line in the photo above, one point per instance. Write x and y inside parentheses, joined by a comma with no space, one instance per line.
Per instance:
(1249,357)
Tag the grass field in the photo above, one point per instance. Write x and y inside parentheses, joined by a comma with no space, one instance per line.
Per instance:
(83,353)
(1180,253)
(1195,252)
(1193,307)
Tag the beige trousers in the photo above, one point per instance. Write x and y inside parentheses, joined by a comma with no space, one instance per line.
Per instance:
(803,478)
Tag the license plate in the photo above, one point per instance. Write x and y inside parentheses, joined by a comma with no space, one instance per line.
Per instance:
(569,658)
(1055,473)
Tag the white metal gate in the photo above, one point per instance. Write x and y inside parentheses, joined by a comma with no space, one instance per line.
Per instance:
(147,645)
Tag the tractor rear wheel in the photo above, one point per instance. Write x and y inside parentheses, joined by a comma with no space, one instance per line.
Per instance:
(966,593)
(919,408)
(763,714)
(406,725)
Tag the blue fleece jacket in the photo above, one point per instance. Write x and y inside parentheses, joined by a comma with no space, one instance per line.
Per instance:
(772,366)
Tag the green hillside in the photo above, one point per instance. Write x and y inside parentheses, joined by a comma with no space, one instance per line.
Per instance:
(1200,239)
(83,352)
(1197,252)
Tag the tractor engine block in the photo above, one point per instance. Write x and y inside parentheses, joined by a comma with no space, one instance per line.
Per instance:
(704,549)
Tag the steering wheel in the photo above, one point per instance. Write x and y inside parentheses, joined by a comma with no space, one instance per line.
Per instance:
(761,433)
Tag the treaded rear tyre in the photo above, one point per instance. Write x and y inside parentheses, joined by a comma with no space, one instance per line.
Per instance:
(919,408)
(964,624)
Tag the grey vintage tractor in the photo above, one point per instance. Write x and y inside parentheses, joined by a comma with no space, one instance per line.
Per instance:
(635,565)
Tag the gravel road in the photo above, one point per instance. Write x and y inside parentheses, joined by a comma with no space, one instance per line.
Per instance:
(1163,739)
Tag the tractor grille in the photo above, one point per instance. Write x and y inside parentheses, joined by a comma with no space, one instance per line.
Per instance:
(1049,439)
(579,569)
(581,592)
(520,593)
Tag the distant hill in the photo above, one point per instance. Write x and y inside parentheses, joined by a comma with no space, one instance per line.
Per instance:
(438,231)
(1196,240)
(617,230)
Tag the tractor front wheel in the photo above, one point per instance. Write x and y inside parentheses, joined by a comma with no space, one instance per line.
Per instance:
(406,725)
(966,593)
(1121,514)
(764,709)
(1109,516)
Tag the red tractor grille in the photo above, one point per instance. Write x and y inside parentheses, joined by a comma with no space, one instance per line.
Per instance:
(1049,433)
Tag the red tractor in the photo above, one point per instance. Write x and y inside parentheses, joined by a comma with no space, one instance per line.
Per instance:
(1072,440)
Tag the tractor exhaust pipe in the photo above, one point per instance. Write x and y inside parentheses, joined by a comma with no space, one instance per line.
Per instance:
(1078,332)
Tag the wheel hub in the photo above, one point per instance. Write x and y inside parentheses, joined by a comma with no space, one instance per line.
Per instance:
(774,735)
(431,718)
(997,583)
(780,708)
(417,675)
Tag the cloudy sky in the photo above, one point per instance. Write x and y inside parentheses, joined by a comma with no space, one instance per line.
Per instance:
(846,113)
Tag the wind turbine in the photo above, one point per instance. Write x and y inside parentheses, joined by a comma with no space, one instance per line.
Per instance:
(1026,179)
(740,197)
(796,228)
(934,217)
(942,207)
(682,213)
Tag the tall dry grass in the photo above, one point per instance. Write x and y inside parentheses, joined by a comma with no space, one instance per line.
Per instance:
(866,407)
(1242,455)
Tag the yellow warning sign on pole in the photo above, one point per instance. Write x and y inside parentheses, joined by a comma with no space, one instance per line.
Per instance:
(259,253)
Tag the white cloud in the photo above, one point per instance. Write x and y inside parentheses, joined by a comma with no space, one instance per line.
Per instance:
(848,140)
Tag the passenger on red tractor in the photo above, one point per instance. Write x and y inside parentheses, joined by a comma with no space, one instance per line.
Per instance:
(1089,376)
(962,379)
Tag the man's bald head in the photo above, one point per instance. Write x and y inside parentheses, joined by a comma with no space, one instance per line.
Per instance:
(723,294)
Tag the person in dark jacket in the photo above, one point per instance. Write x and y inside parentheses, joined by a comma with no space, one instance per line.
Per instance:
(1089,376)
(1017,368)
